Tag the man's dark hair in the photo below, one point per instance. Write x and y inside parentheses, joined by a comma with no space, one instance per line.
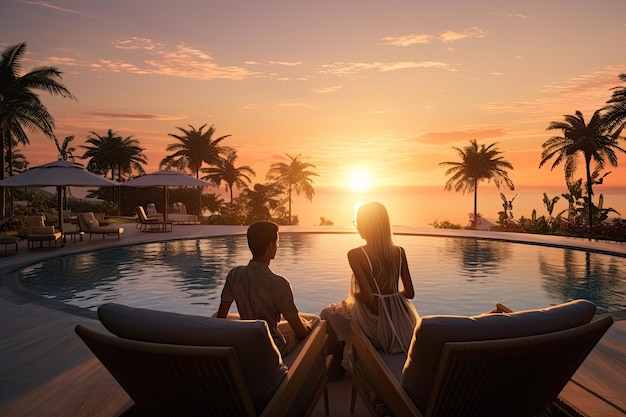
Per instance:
(260,235)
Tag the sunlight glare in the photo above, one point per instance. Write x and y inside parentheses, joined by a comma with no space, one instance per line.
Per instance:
(359,180)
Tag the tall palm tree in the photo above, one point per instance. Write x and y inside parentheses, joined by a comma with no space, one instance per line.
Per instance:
(596,141)
(616,109)
(193,149)
(294,176)
(115,154)
(20,106)
(478,163)
(232,176)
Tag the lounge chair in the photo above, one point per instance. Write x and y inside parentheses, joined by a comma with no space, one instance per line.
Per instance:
(152,213)
(87,223)
(36,232)
(101,218)
(176,364)
(178,214)
(146,224)
(502,364)
(7,240)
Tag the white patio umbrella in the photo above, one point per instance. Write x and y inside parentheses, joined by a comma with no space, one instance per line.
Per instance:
(166,178)
(58,174)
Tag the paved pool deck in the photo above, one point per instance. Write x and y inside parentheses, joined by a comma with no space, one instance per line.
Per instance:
(45,370)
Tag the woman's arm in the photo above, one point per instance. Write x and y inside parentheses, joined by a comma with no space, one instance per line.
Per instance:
(407,284)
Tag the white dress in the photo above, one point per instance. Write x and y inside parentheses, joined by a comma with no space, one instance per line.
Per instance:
(390,331)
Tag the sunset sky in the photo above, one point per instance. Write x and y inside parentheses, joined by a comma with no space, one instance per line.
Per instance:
(388,87)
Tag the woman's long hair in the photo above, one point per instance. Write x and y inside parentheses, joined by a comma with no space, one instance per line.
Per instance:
(373,224)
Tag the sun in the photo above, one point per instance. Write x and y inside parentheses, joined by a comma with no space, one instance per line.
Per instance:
(359,180)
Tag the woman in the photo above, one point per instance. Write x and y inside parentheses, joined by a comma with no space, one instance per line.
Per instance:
(374,300)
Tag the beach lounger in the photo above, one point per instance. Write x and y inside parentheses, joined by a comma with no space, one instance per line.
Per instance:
(152,213)
(178,214)
(87,223)
(502,364)
(36,232)
(7,240)
(180,365)
(146,224)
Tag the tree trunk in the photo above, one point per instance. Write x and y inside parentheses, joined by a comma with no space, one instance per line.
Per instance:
(589,196)
(474,222)
(289,205)
(2,173)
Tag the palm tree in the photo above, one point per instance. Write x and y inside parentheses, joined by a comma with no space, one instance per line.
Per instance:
(294,176)
(20,106)
(478,163)
(616,109)
(595,140)
(194,148)
(115,154)
(232,176)
(19,163)
(262,201)
(66,152)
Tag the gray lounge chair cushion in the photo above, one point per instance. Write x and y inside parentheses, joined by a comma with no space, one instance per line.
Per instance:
(432,332)
(259,359)
(43,230)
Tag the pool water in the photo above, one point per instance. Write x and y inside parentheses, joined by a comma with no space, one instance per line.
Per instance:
(450,275)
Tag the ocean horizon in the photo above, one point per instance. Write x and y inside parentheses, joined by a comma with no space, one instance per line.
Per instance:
(421,206)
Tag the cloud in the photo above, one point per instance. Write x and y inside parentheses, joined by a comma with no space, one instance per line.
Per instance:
(518,15)
(51,6)
(349,68)
(287,64)
(410,39)
(149,57)
(564,97)
(304,105)
(461,135)
(445,37)
(472,32)
(326,90)
(133,116)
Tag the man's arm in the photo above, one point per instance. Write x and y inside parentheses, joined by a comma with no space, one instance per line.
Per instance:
(299,328)
(222,312)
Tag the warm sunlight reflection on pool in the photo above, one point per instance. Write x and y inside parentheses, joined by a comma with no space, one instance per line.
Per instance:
(451,275)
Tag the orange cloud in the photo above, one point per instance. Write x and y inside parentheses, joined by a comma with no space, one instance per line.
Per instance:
(134,116)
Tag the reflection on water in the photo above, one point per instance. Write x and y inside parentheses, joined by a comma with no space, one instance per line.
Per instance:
(479,259)
(585,275)
(451,275)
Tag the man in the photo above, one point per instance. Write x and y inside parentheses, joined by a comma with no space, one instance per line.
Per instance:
(260,294)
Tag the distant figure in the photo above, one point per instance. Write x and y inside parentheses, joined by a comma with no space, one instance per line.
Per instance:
(260,294)
(374,301)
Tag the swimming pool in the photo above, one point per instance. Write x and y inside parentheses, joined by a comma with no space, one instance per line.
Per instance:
(451,275)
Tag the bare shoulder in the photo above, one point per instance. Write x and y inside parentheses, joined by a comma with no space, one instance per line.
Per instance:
(355,254)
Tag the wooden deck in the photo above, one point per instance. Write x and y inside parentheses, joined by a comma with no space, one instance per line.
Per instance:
(45,370)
